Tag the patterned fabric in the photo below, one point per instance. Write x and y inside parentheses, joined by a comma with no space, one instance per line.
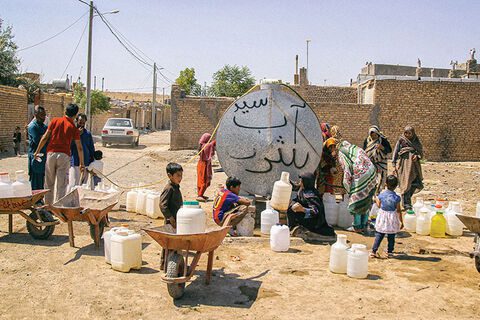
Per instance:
(387,222)
(359,178)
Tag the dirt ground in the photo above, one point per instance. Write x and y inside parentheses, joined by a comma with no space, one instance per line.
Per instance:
(429,278)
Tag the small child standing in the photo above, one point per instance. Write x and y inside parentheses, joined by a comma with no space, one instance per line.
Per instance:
(17,139)
(389,218)
(97,164)
(171,199)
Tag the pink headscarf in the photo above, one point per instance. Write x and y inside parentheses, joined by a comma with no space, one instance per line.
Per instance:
(209,149)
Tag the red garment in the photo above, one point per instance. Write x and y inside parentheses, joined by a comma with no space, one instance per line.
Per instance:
(63,131)
(325,127)
(204,166)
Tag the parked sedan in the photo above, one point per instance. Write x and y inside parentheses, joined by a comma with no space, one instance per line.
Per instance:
(120,131)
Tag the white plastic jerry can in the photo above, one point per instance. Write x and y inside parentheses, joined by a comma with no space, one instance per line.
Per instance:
(153,206)
(331,209)
(268,218)
(126,251)
(107,237)
(21,187)
(282,191)
(339,255)
(132,200)
(280,238)
(357,262)
(191,218)
(142,202)
(410,221)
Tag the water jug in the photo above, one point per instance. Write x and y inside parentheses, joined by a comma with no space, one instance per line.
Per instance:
(357,262)
(418,205)
(410,221)
(442,202)
(153,205)
(439,223)
(280,238)
(478,210)
(339,255)
(268,218)
(454,225)
(107,237)
(345,219)
(126,251)
(21,187)
(423,222)
(6,190)
(331,209)
(132,200)
(142,202)
(246,226)
(191,218)
(282,191)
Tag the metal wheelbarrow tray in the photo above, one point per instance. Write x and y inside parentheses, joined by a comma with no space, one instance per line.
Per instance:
(177,248)
(40,223)
(88,206)
(473,224)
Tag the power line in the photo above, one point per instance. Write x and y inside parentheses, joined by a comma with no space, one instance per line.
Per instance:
(55,35)
(121,42)
(74,51)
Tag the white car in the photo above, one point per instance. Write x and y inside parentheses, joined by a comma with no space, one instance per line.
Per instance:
(120,131)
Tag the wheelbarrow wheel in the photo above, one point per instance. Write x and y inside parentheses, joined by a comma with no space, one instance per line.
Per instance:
(41,233)
(101,227)
(175,266)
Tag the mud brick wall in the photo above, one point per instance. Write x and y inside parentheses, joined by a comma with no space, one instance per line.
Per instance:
(327,94)
(445,115)
(13,112)
(54,104)
(193,116)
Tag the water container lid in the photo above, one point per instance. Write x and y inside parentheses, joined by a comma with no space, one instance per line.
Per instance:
(191,203)
(124,225)
(424,210)
(438,206)
(20,172)
(341,236)
(410,212)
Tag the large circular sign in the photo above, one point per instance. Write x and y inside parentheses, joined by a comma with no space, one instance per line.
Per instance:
(265,132)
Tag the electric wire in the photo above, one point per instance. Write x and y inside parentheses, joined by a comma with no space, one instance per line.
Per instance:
(74,51)
(55,35)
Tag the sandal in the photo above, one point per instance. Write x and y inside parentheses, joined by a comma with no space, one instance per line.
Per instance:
(373,255)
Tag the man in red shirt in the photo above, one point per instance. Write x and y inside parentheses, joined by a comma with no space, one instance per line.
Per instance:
(60,134)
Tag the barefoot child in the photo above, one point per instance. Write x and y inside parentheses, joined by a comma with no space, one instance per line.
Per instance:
(389,219)
(171,198)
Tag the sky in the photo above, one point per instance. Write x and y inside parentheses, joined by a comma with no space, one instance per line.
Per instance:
(262,35)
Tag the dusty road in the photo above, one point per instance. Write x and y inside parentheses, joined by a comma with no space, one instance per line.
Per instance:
(50,280)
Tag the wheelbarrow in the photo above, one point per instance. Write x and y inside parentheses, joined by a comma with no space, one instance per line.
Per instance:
(473,224)
(40,223)
(88,206)
(177,249)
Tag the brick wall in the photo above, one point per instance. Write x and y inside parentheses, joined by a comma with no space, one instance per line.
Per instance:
(13,112)
(54,104)
(193,116)
(445,115)
(327,94)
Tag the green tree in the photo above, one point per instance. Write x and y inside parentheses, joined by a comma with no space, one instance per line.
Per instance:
(99,103)
(8,57)
(231,81)
(31,86)
(187,81)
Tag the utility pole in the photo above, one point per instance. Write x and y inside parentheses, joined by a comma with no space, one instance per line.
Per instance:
(103,84)
(88,109)
(154,98)
(308,81)
(163,96)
